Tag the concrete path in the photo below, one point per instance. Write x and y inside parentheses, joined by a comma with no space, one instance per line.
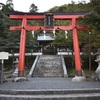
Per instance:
(48,83)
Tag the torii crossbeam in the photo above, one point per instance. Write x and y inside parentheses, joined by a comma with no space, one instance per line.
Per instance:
(40,16)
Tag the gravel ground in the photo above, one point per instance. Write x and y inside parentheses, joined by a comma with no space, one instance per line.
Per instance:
(48,83)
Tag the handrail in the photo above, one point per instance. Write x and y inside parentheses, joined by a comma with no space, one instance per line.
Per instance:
(33,66)
(64,67)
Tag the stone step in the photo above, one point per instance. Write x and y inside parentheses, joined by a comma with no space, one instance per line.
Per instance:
(50,91)
(52,97)
(48,75)
(84,94)
(51,65)
(48,65)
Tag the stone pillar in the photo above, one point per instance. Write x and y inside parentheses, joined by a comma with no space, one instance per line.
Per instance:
(97,72)
(16,67)
(1,73)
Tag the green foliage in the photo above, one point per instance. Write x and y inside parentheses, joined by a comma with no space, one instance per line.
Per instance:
(72,73)
(7,8)
(92,20)
(4,25)
(33,8)
(80,7)
(60,39)
(8,39)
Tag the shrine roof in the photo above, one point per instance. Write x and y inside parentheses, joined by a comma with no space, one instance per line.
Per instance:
(45,37)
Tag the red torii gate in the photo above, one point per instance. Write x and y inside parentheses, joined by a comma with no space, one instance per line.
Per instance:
(40,16)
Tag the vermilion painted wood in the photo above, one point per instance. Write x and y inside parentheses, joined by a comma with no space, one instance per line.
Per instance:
(41,17)
(76,49)
(30,28)
(24,27)
(22,49)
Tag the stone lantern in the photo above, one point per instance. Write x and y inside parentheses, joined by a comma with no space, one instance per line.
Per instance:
(97,72)
(16,67)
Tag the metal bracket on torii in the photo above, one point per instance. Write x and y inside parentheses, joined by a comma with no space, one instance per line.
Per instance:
(41,16)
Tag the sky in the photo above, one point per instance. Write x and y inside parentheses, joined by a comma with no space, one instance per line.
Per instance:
(43,5)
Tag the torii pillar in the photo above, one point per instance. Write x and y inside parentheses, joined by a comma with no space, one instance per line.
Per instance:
(22,49)
(78,64)
(76,49)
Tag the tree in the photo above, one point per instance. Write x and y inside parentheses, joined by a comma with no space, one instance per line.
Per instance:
(33,8)
(8,39)
(4,25)
(10,3)
(1,5)
(93,18)
(8,7)
(93,22)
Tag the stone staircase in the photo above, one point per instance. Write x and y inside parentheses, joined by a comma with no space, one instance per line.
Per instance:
(57,94)
(48,66)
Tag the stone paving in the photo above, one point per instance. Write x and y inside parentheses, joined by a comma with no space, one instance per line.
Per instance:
(49,83)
